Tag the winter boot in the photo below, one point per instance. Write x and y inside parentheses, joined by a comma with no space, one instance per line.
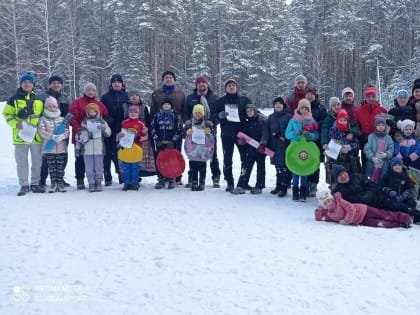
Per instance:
(278,187)
(256,190)
(238,191)
(23,190)
(194,185)
(202,184)
(312,189)
(189,184)
(43,183)
(172,183)
(133,187)
(216,181)
(295,191)
(92,188)
(61,187)
(275,191)
(98,186)
(160,184)
(125,187)
(303,191)
(65,184)
(229,187)
(80,184)
(53,188)
(37,189)
(282,191)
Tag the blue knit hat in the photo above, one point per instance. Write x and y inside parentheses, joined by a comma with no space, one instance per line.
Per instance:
(336,170)
(402,93)
(55,78)
(396,161)
(27,76)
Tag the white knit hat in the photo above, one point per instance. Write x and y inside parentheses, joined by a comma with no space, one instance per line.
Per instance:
(323,195)
(404,123)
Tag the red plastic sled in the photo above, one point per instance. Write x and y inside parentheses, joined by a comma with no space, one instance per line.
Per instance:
(170,163)
(254,143)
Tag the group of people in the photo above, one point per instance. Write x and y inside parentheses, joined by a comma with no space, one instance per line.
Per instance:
(387,140)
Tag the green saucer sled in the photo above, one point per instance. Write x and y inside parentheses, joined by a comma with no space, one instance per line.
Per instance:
(302,157)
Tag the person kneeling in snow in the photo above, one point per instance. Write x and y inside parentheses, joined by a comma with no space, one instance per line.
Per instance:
(344,212)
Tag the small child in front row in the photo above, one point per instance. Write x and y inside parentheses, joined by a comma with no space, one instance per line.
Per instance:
(344,212)
(408,147)
(198,154)
(131,170)
(301,124)
(91,145)
(56,159)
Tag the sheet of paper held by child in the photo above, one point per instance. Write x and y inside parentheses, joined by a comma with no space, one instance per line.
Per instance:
(333,150)
(128,139)
(233,113)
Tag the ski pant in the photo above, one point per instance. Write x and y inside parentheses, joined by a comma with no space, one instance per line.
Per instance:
(94,168)
(251,156)
(130,172)
(56,163)
(376,217)
(228,144)
(303,181)
(214,163)
(45,167)
(197,167)
(79,166)
(110,157)
(22,163)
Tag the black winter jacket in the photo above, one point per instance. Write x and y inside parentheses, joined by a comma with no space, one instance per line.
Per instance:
(115,102)
(194,99)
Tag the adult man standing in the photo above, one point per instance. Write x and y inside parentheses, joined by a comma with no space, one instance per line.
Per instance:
(176,95)
(56,90)
(230,110)
(299,92)
(22,112)
(114,100)
(202,94)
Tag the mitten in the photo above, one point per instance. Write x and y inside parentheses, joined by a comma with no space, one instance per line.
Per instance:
(189,132)
(101,126)
(380,155)
(345,148)
(392,194)
(170,145)
(414,156)
(187,122)
(386,190)
(343,222)
(307,136)
(261,149)
(207,130)
(240,141)
(399,199)
(298,132)
(378,163)
(223,115)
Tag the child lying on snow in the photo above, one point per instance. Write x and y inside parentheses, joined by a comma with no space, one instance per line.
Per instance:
(336,209)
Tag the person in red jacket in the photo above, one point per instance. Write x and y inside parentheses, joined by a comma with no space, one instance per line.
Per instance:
(299,92)
(131,170)
(78,109)
(365,117)
(344,212)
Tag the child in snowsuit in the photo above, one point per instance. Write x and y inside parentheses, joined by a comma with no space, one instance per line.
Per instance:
(253,127)
(166,132)
(341,133)
(56,159)
(302,124)
(408,148)
(131,170)
(344,212)
(378,150)
(91,145)
(198,157)
(398,185)
(274,136)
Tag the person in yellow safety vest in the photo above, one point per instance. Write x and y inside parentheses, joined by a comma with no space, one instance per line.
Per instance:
(22,113)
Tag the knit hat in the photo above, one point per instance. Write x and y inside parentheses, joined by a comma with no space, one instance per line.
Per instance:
(280,100)
(201,79)
(198,108)
(416,85)
(55,78)
(27,76)
(396,161)
(167,72)
(312,90)
(167,100)
(116,78)
(404,123)
(92,106)
(300,77)
(340,125)
(336,171)
(323,195)
(230,80)
(343,114)
(333,100)
(380,119)
(304,103)
(347,90)
(370,90)
(51,100)
(251,106)
(402,93)
(89,86)
(133,92)
(133,109)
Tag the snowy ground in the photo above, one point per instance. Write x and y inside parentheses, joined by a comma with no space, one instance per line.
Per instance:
(182,252)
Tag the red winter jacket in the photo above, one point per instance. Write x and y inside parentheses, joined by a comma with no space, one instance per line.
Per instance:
(78,109)
(293,99)
(365,116)
(135,125)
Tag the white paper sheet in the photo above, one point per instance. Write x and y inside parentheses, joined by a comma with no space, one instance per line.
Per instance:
(28,132)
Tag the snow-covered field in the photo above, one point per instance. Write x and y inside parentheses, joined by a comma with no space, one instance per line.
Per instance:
(180,252)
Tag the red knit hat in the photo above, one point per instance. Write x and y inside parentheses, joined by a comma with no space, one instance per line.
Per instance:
(370,90)
(342,114)
(201,79)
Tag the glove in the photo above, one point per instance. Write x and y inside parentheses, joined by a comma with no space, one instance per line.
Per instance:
(101,126)
(187,122)
(189,132)
(241,141)
(58,138)
(414,156)
(392,194)
(343,222)
(170,145)
(298,132)
(377,163)
(261,149)
(19,125)
(223,115)
(346,148)
(307,136)
(380,155)
(207,130)
(399,199)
